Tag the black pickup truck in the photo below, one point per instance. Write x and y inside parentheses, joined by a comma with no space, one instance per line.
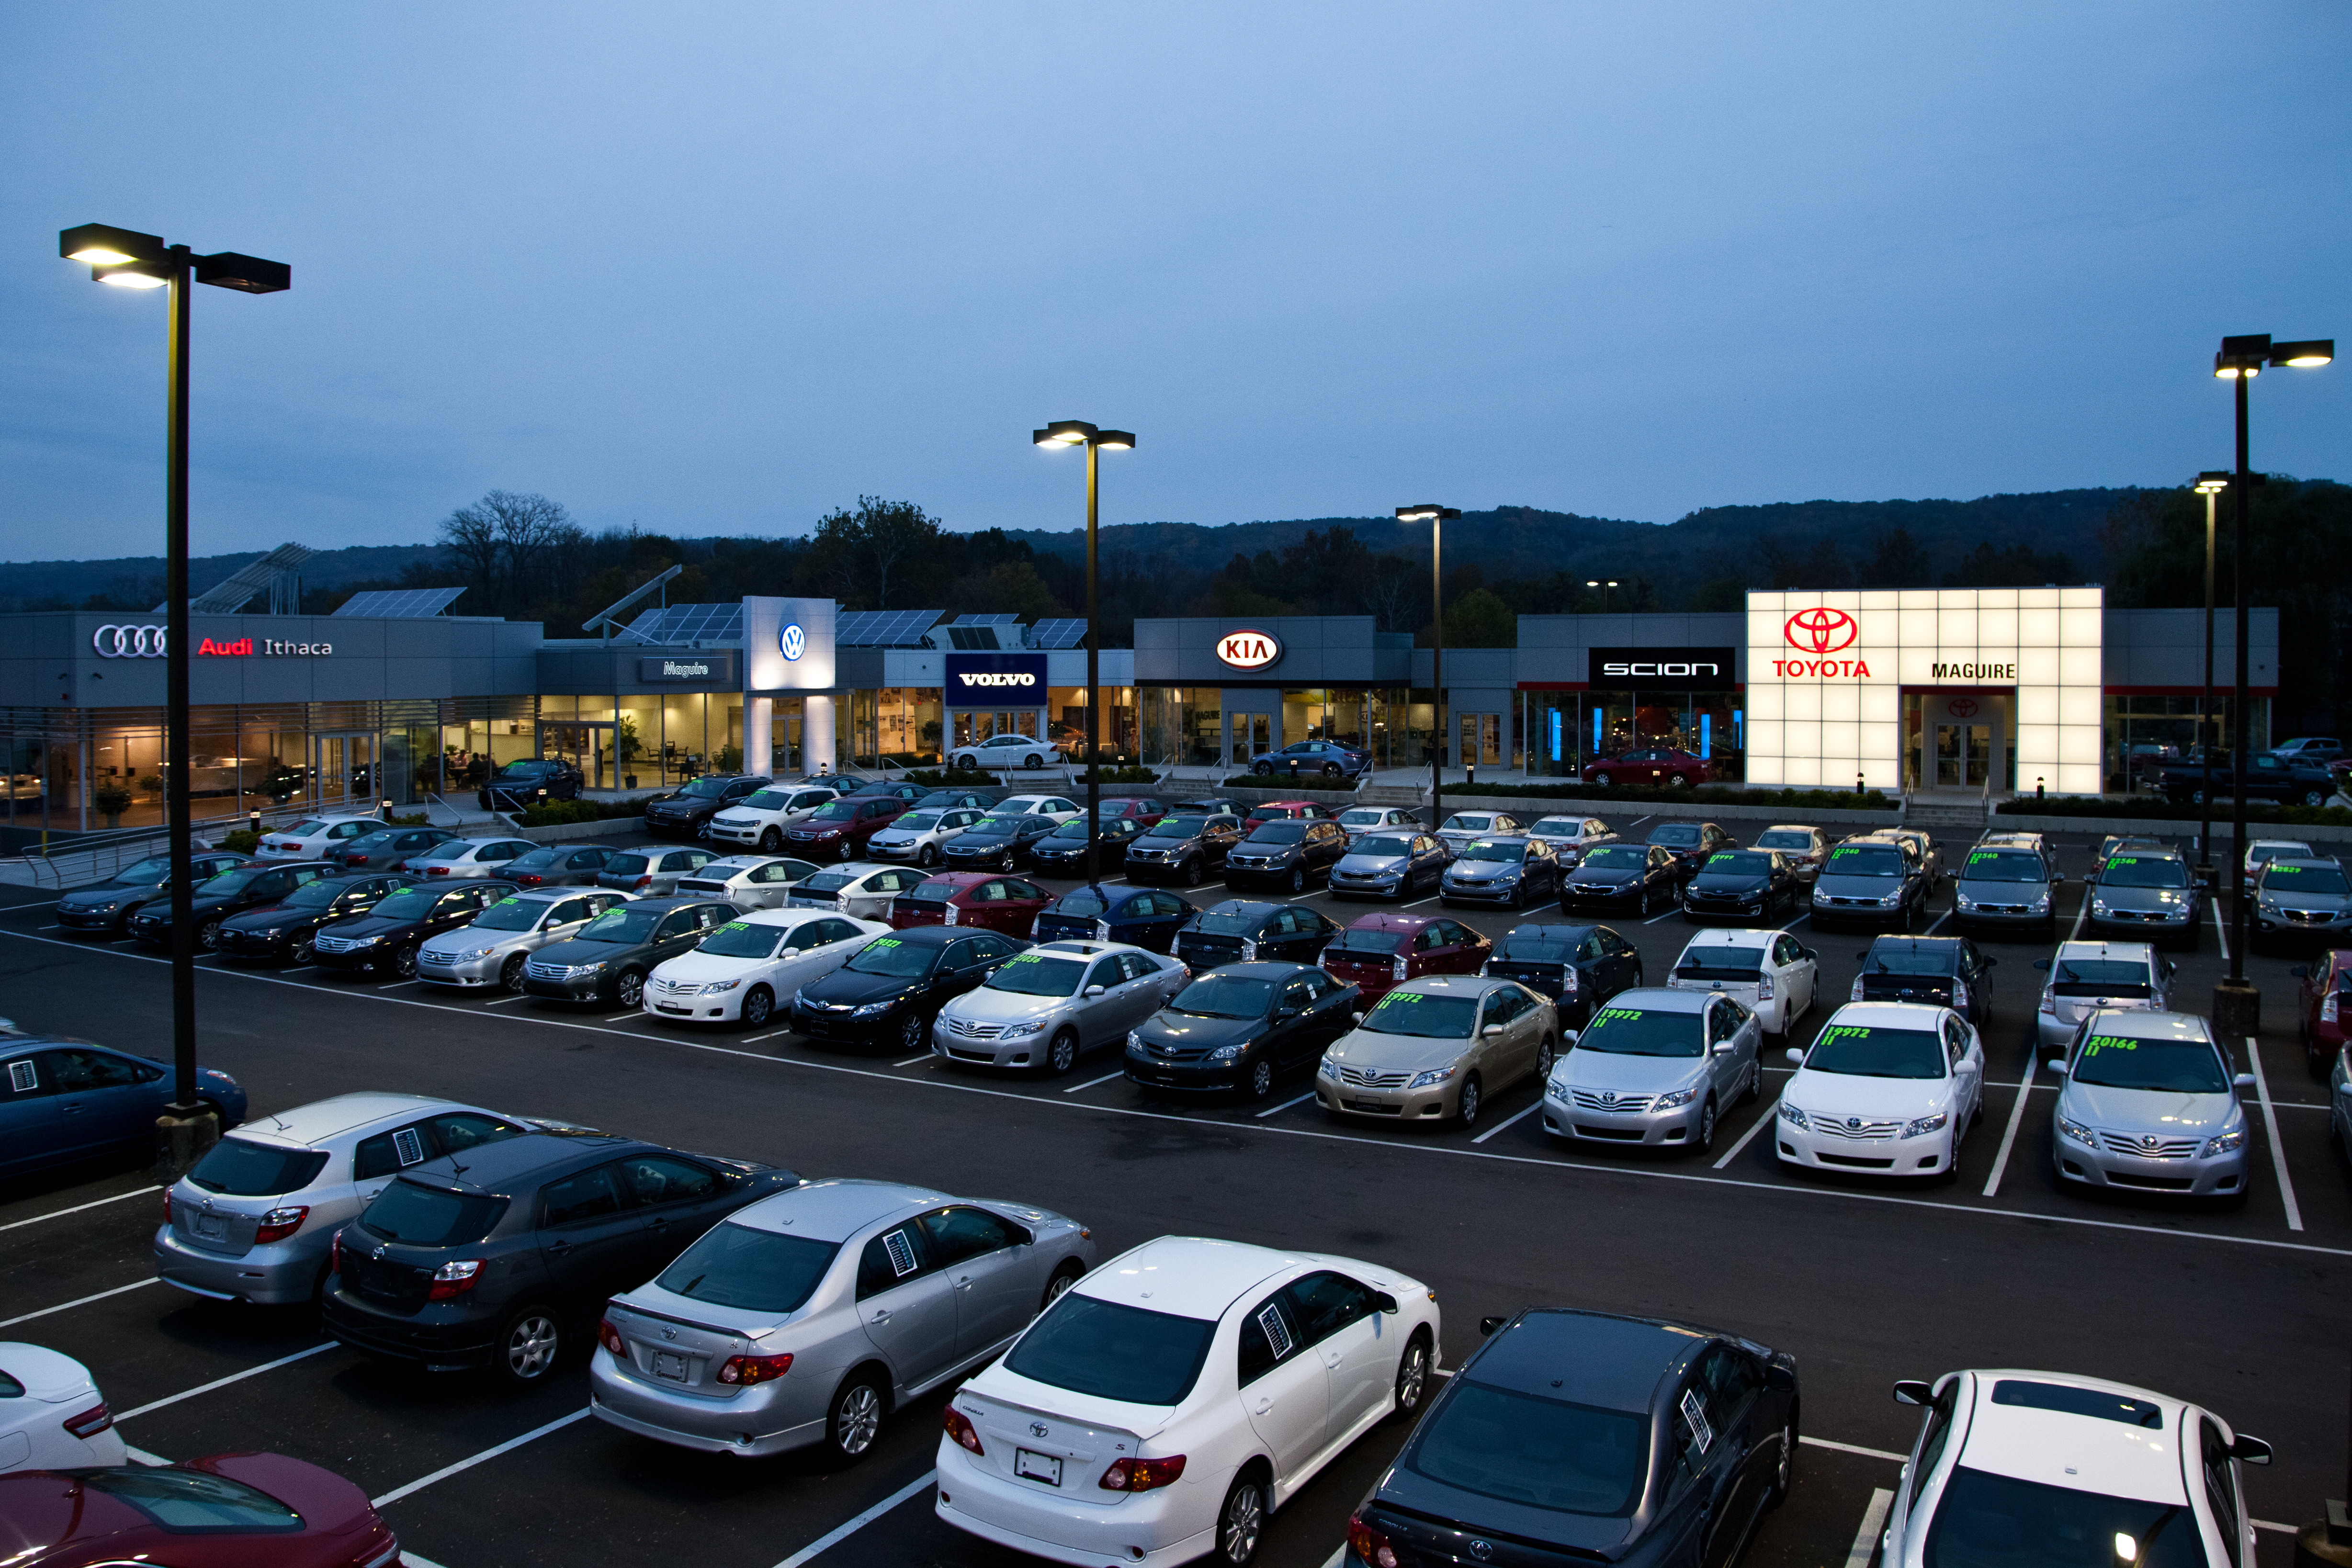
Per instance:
(2268,777)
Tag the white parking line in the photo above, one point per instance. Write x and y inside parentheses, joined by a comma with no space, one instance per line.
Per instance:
(395,985)
(1286,1105)
(1500,1125)
(504,1001)
(445,1471)
(771,1034)
(1805,1442)
(77,1208)
(78,1302)
(2084,909)
(908,1063)
(1939,921)
(2016,1117)
(1873,1520)
(834,1537)
(225,1382)
(2221,932)
(1417,902)
(1769,1115)
(1090,1082)
(2269,1126)
(1669,914)
(632,1013)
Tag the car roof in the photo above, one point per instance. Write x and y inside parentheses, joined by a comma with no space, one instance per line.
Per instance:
(1732,936)
(1077,947)
(1917,944)
(1793,828)
(1889,1015)
(1189,1276)
(514,1162)
(2136,1023)
(1259,969)
(1388,920)
(1458,985)
(2079,1452)
(324,1118)
(666,901)
(1657,998)
(2296,844)
(2096,950)
(835,1210)
(1592,1358)
(789,916)
(932,935)
(743,862)
(962,879)
(1540,927)
(1241,905)
(1290,805)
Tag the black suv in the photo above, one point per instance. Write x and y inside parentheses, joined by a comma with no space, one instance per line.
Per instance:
(1287,853)
(518,784)
(240,888)
(687,812)
(894,987)
(1244,930)
(1945,971)
(109,905)
(501,1256)
(384,940)
(284,931)
(1182,846)
(608,959)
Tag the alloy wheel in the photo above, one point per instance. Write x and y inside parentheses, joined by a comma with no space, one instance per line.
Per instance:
(857,1419)
(1704,1142)
(303,952)
(1242,1523)
(1261,1078)
(630,988)
(1412,1377)
(404,962)
(529,1347)
(758,1006)
(1297,880)
(771,841)
(511,974)
(1192,873)
(208,935)
(1062,1054)
(1545,1056)
(929,856)
(1469,1101)
(914,1033)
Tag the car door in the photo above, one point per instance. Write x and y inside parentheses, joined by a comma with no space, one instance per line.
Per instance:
(1966,1054)
(1710,1461)
(990,1265)
(1734,1382)
(676,933)
(104,1101)
(1292,1023)
(32,1129)
(593,1243)
(1022,900)
(1342,1324)
(1142,990)
(907,1303)
(676,1200)
(1100,1015)
(1285,1389)
(1794,976)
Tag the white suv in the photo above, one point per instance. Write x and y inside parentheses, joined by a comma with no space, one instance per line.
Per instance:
(759,818)
(312,837)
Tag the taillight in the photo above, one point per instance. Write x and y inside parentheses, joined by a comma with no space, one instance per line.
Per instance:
(278,1224)
(1142,1475)
(1857,988)
(1397,968)
(1764,989)
(645,881)
(436,870)
(2328,1009)
(335,1253)
(610,1338)
(1370,1545)
(453,1279)
(748,1370)
(2049,1003)
(167,1191)
(1959,996)
(91,1422)
(960,1427)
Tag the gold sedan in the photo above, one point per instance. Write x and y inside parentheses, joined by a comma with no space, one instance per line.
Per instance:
(1438,1047)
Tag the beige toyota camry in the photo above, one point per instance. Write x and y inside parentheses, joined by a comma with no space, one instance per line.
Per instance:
(1436,1047)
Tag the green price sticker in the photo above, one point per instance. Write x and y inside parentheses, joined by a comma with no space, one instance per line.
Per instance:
(735,926)
(2099,1043)
(510,901)
(1714,860)
(1843,1032)
(2278,869)
(2123,860)
(884,942)
(1401,998)
(1841,855)
(1605,1014)
(1028,958)
(1985,855)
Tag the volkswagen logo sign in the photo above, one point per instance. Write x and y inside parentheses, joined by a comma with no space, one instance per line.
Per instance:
(1820,630)
(793,642)
(128,642)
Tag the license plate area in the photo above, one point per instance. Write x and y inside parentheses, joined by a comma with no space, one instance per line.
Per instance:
(669,1364)
(1033,1467)
(670,1008)
(211,1226)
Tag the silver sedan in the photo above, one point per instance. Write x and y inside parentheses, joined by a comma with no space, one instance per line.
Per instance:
(1044,1006)
(800,1320)
(469,858)
(492,949)
(1656,1067)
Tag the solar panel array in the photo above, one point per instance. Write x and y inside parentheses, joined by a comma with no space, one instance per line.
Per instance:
(987,620)
(690,623)
(1069,634)
(885,628)
(400,603)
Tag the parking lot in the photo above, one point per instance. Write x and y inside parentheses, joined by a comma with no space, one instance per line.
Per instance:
(1865,1281)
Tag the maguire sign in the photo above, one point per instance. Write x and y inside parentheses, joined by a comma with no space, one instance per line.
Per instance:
(1249,649)
(996,679)
(689,669)
(1661,669)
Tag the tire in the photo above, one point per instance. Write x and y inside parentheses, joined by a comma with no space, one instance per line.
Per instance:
(1412,1378)
(1704,1143)
(928,856)
(1061,1054)
(1193,875)
(1241,1521)
(758,1007)
(848,850)
(1546,1054)
(1784,1468)
(1297,880)
(1677,782)
(529,1343)
(1646,899)
(1755,1085)
(1598,780)
(915,1031)
(629,990)
(771,841)
(208,936)
(1331,770)
(2314,798)
(1261,1079)
(404,961)
(1067,1275)
(1472,1098)
(511,974)
(853,1419)
(1033,761)
(302,953)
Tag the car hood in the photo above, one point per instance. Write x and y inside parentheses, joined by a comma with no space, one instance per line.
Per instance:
(1719,883)
(851,986)
(1607,876)
(701,969)
(108,892)
(2141,897)
(1874,1099)
(1191,1031)
(270,914)
(572,950)
(1640,1074)
(1483,871)
(1374,865)
(2001,892)
(902,835)
(2160,1111)
(1847,886)
(370,925)
(2290,899)
(1396,1052)
(985,1006)
(465,938)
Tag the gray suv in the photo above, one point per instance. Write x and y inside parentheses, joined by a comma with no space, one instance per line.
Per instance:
(2298,897)
(493,948)
(2147,896)
(2007,883)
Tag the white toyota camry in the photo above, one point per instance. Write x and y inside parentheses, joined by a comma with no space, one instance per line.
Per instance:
(1173,1399)
(741,968)
(51,1417)
(1887,1089)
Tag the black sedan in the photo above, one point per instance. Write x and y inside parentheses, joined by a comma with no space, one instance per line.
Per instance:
(1578,966)
(1140,916)
(284,932)
(1063,851)
(388,849)
(109,905)
(522,783)
(1243,931)
(610,957)
(1241,1028)
(1692,844)
(240,888)
(960,797)
(1947,971)
(1182,846)
(384,940)
(894,987)
(1574,1436)
(996,843)
(503,1256)
(1287,854)
(1737,885)
(1632,876)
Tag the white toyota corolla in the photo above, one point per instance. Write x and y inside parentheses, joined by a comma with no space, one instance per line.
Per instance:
(51,1416)
(1887,1089)
(1173,1399)
(740,969)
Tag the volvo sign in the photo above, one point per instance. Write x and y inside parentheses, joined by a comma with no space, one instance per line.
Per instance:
(996,679)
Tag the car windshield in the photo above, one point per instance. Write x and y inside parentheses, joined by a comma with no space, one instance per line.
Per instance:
(1987,1520)
(1424,1015)
(892,958)
(1083,902)
(1240,921)
(303,829)
(1467,822)
(1784,840)
(1559,828)
(2303,879)
(240,1168)
(829,881)
(523,770)
(628,864)
(413,904)
(767,800)
(1675,834)
(836,811)
(2181,1066)
(229,881)
(1385,844)
(1742,864)
(1361,817)
(1362,940)
(621,926)
(419,1216)
(1113,1350)
(1537,949)
(1076,828)
(1912,961)
(155,868)
(2144,871)
(1220,995)
(2004,866)
(937,889)
(1495,850)
(1645,1031)
(193,1502)
(1864,1050)
(1611,857)
(917,821)
(1867,860)
(509,914)
(1545,1453)
(1038,975)
(993,828)
(753,1270)
(741,939)
(315,894)
(706,789)
(2288,850)
(1279,833)
(1172,828)
(2100,977)
(1721,961)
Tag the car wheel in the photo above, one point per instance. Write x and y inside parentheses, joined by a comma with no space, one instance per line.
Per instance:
(1067,1275)
(1412,1376)
(1598,780)
(758,1007)
(915,1031)
(1704,1143)
(404,961)
(1033,761)
(1472,1097)
(1297,879)
(2314,798)
(928,856)
(528,1345)
(847,848)
(1646,898)
(302,953)
(770,841)
(1755,1085)
(208,936)
(854,1420)
(1546,1054)
(1062,1053)
(1677,782)
(1784,1467)
(1240,1522)
(511,974)
(629,990)
(1192,873)
(1331,770)
(1261,1078)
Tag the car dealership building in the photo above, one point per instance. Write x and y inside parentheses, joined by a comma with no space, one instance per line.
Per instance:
(1957,689)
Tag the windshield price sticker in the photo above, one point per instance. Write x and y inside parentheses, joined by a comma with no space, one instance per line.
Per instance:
(2099,1043)
(1841,1032)
(1400,999)
(1632,1015)
(1717,859)
(735,926)
(2278,869)
(1027,958)
(2124,860)
(884,942)
(1982,855)
(510,901)
(1695,1412)
(1841,855)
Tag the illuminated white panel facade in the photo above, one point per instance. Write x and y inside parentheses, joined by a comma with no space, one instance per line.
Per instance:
(1826,674)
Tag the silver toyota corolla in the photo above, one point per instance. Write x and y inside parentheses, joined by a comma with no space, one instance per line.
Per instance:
(1044,1006)
(2150,1104)
(802,1318)
(491,948)
(1656,1067)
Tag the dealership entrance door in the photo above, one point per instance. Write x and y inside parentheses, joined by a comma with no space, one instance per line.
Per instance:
(1959,742)
(587,747)
(342,770)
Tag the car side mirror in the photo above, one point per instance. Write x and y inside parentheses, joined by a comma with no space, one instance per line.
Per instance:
(2058,1068)
(1796,1056)
(1725,1048)
(1094,991)
(1385,1302)
(2242,1083)
(2057,876)
(1808,953)
(1862,953)
(1487,1326)
(2250,1450)
(1911,1391)
(1779,1379)
(1992,963)
(1490,1031)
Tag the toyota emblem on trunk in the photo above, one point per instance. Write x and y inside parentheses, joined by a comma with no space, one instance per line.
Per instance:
(1037,1428)
(1482,1549)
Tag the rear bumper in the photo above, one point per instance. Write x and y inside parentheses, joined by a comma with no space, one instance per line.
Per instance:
(1148,1530)
(265,1276)
(747,1426)
(435,1346)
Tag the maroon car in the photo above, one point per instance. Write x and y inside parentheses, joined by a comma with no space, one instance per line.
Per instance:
(2324,1008)
(1144,813)
(838,828)
(1378,952)
(1006,903)
(230,1510)
(1655,765)
(1279,811)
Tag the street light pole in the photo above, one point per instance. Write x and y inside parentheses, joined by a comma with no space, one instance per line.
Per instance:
(1436,516)
(2209,483)
(1604,587)
(1078,433)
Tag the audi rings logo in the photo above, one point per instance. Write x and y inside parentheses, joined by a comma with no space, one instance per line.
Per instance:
(1820,630)
(996,678)
(128,642)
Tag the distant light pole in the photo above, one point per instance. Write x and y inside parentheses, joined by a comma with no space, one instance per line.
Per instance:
(2237,1004)
(129,259)
(1078,433)
(2210,484)
(1604,587)
(1436,516)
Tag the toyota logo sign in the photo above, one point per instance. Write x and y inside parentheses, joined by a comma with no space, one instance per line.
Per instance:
(1961,708)
(128,642)
(1249,649)
(1820,630)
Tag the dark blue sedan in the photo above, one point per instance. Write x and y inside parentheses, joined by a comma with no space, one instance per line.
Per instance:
(67,1099)
(1144,917)
(1316,758)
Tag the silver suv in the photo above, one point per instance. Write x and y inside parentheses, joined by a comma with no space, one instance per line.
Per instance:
(2147,894)
(2150,1104)
(2008,881)
(491,948)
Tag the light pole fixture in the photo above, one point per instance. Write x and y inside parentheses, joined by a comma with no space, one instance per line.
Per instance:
(1436,516)
(1604,585)
(129,259)
(2210,484)
(2237,1004)
(1065,433)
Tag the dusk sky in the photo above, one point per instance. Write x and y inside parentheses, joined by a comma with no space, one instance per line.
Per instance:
(719,269)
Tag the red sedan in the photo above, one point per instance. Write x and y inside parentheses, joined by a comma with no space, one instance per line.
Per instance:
(2324,1008)
(1006,903)
(1379,952)
(1279,810)
(230,1510)
(1656,765)
(1145,812)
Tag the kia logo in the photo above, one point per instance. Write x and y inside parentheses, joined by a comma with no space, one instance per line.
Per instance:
(1961,708)
(793,642)
(1820,630)
(128,642)
(1249,649)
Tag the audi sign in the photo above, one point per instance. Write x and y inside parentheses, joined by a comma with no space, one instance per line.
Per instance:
(128,642)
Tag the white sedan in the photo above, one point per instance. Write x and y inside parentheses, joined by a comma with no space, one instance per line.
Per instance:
(761,817)
(917,836)
(739,970)
(312,837)
(1006,751)
(463,858)
(51,1417)
(1888,1089)
(861,888)
(748,881)
(1053,806)
(1172,1399)
(1771,973)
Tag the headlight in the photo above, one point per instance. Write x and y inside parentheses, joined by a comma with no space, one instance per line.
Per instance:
(1430,1079)
(1790,1115)
(1967,903)
(876,1009)
(1675,1099)
(2098,907)
(2041,905)
(2268,902)
(365,941)
(1889,900)
(475,953)
(1329,1069)
(2234,1139)
(1227,1052)
(2067,1127)
(274,933)
(1134,1039)
(717,987)
(1017,1030)
(1249,950)
(1919,1127)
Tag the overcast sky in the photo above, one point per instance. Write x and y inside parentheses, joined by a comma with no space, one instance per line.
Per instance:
(720,268)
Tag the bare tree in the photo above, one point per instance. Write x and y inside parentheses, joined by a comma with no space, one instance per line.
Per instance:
(513,548)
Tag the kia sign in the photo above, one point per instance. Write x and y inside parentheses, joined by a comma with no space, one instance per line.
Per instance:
(1249,649)
(1661,669)
(688,669)
(996,679)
